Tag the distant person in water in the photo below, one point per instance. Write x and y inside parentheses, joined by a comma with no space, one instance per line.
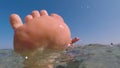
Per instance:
(40,30)
(74,40)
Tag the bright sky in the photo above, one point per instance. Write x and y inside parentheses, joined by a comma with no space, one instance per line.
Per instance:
(94,21)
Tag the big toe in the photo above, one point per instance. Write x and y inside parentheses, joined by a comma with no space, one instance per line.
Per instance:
(57,17)
(15,21)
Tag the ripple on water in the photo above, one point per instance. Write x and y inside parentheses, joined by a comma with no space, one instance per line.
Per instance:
(89,56)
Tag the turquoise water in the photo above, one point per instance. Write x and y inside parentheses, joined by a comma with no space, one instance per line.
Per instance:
(89,56)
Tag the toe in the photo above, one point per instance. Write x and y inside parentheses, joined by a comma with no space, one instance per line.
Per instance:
(15,21)
(57,16)
(35,13)
(43,12)
(28,18)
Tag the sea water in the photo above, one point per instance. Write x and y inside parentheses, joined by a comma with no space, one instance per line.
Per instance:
(10,59)
(89,56)
(36,59)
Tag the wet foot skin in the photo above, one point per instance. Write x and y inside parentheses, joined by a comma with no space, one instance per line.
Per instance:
(40,31)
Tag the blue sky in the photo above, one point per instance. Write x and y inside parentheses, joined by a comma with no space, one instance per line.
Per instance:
(94,21)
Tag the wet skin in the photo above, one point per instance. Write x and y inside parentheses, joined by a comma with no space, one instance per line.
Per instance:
(40,30)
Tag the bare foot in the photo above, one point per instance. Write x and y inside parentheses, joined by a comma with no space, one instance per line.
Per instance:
(39,31)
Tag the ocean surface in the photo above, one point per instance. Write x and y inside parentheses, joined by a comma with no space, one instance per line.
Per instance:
(88,56)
